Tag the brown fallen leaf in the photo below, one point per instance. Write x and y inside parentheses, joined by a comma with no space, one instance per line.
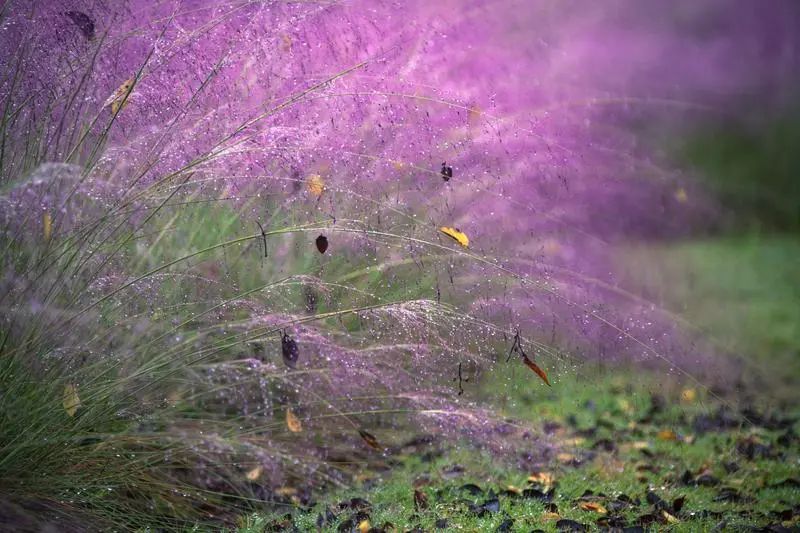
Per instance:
(533,366)
(370,439)
(420,500)
(70,399)
(593,507)
(292,422)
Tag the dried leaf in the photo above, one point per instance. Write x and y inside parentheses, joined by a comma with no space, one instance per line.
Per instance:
(593,507)
(370,439)
(456,234)
(667,434)
(47,225)
(364,526)
(543,478)
(254,474)
(669,518)
(420,500)
(322,243)
(292,422)
(533,366)
(70,400)
(688,395)
(681,196)
(119,99)
(315,185)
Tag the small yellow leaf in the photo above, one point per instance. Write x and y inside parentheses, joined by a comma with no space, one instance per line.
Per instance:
(118,100)
(254,474)
(688,395)
(315,184)
(681,196)
(551,516)
(286,491)
(71,401)
(543,478)
(398,165)
(292,422)
(565,458)
(667,434)
(47,225)
(593,507)
(456,234)
(669,518)
(363,526)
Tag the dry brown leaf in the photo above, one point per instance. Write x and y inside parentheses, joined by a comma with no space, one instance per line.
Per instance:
(292,422)
(533,366)
(120,98)
(593,507)
(315,184)
(551,516)
(70,399)
(370,439)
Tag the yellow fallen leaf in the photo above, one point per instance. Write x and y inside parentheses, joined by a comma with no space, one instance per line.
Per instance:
(254,474)
(292,422)
(593,507)
(565,458)
(688,395)
(456,234)
(119,99)
(667,434)
(47,225)
(551,516)
(398,165)
(543,478)
(681,196)
(71,401)
(513,489)
(363,526)
(286,491)
(669,518)
(315,184)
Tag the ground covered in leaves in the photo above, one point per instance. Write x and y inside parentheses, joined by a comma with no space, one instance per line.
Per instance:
(629,458)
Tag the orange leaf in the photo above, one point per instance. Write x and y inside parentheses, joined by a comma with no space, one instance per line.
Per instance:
(543,478)
(363,526)
(533,366)
(593,507)
(370,439)
(292,422)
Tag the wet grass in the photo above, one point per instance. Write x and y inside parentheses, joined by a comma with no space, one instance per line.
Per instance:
(627,454)
(635,449)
